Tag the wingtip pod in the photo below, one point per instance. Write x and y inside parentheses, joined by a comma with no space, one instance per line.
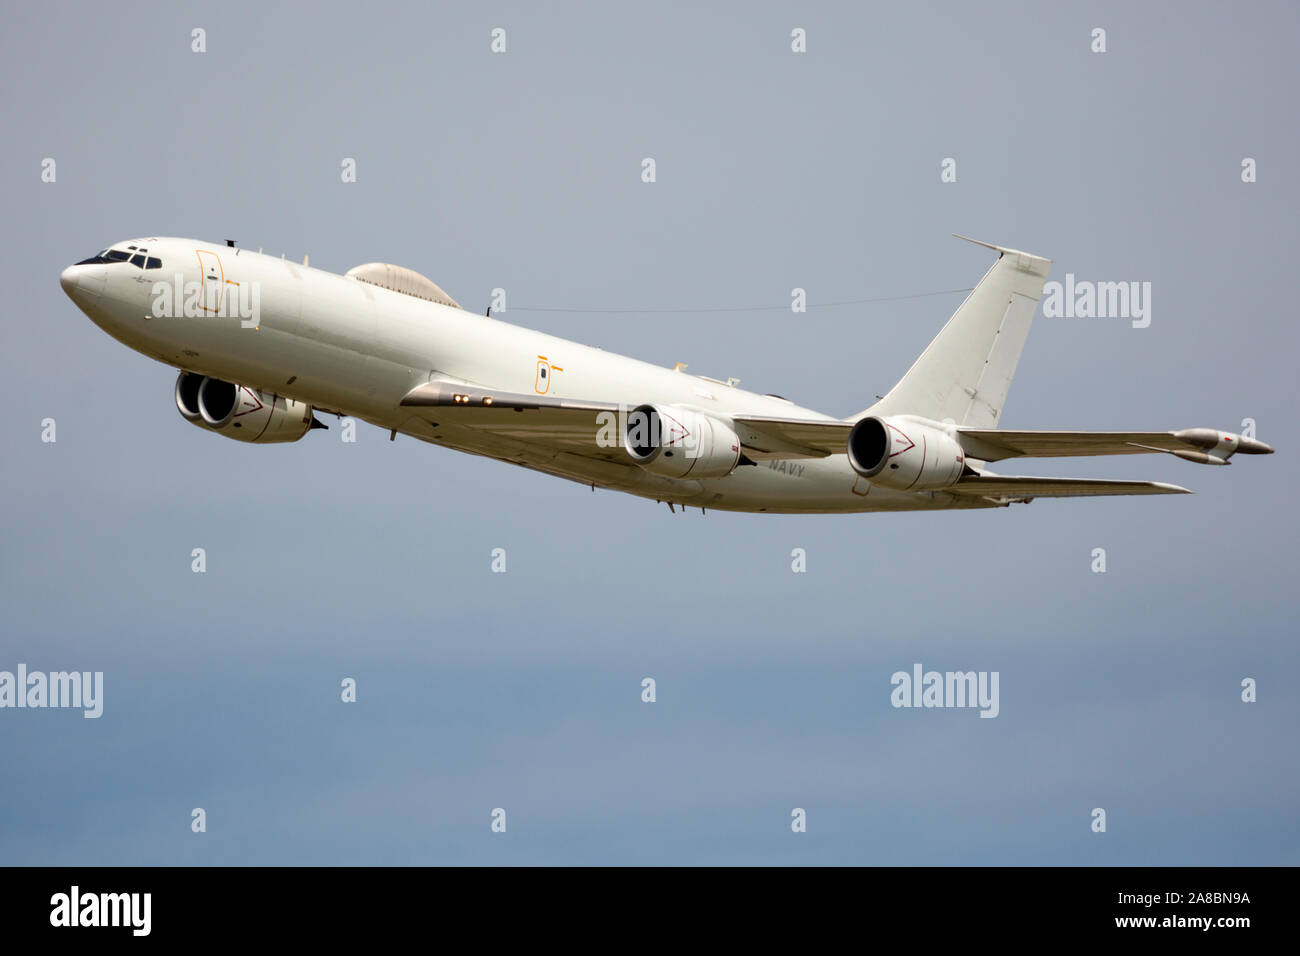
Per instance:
(1200,457)
(1250,446)
(1217,447)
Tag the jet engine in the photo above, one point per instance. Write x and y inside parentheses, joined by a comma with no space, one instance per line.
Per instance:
(675,442)
(905,454)
(240,412)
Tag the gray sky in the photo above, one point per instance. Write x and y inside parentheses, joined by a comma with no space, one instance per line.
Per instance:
(522,690)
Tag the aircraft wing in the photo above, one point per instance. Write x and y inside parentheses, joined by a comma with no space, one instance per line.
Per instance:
(994,444)
(791,437)
(539,419)
(817,439)
(573,425)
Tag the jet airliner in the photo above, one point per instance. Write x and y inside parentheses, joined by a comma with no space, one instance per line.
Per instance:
(263,343)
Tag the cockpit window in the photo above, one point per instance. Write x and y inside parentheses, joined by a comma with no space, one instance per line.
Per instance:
(109,256)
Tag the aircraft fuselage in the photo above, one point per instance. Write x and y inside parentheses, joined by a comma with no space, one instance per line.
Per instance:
(353,348)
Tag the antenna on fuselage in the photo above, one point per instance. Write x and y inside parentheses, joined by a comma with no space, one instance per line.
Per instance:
(230,243)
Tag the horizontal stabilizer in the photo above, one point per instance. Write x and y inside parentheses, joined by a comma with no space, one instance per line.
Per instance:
(1016,487)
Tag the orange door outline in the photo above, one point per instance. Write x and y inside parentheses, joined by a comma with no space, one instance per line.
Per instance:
(214,276)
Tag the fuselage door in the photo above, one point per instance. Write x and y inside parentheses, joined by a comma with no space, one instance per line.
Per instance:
(545,372)
(214,280)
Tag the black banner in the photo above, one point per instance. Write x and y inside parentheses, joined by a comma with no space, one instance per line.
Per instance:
(336,904)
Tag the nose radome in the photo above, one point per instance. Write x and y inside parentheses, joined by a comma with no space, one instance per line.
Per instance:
(83,279)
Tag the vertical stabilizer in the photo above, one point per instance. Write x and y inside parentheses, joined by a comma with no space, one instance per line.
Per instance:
(965,373)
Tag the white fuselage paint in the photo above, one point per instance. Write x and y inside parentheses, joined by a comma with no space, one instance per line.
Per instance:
(350,347)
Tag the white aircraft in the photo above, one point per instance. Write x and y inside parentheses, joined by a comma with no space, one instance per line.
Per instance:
(262,342)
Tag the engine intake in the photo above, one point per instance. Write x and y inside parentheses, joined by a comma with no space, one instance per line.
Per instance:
(187,395)
(905,454)
(676,442)
(239,412)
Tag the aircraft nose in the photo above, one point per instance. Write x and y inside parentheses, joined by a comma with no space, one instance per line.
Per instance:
(83,280)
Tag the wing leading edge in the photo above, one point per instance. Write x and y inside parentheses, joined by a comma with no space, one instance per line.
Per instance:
(561,423)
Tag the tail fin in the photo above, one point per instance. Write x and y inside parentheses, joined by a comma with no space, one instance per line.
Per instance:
(965,373)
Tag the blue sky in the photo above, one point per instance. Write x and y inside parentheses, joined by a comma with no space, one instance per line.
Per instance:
(523,690)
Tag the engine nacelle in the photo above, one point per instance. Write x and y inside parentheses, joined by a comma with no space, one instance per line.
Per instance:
(676,442)
(240,412)
(905,455)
